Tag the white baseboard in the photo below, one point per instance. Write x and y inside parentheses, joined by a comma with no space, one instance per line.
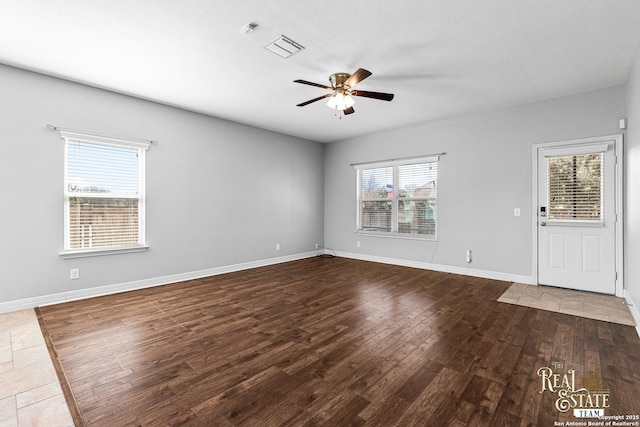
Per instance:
(485,274)
(633,308)
(43,300)
(495,275)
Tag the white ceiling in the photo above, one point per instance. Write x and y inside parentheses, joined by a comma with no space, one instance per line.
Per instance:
(441,58)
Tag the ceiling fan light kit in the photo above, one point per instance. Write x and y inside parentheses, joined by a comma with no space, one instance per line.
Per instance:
(340,100)
(341,96)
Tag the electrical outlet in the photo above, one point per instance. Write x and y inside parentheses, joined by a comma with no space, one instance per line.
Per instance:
(358,244)
(469,255)
(317,246)
(277,246)
(74,273)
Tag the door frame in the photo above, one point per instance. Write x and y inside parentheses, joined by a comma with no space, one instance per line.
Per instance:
(618,194)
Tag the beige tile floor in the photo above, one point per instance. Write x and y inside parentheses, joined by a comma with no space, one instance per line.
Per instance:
(584,304)
(30,394)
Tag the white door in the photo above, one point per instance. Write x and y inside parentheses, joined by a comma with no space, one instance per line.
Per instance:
(577,215)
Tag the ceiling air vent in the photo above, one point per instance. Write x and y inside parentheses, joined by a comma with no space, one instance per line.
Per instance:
(283,46)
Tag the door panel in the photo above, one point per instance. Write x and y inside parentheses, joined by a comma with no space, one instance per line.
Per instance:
(558,251)
(591,254)
(576,217)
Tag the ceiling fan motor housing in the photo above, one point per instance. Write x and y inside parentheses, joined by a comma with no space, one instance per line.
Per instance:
(337,80)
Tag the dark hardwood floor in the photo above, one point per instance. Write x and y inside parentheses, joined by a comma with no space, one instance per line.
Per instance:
(335,342)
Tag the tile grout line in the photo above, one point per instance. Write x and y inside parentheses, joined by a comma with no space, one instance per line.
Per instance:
(15,408)
(514,294)
(76,415)
(13,367)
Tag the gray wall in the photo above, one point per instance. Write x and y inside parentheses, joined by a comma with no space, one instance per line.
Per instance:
(218,193)
(486,173)
(632,188)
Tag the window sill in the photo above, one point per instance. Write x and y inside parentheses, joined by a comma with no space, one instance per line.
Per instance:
(84,253)
(404,236)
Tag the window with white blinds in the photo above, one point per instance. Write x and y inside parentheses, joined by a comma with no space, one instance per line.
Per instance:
(575,187)
(398,198)
(104,193)
(375,200)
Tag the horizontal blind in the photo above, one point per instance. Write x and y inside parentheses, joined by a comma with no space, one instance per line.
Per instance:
(102,222)
(398,197)
(377,183)
(96,168)
(417,198)
(575,187)
(375,203)
(102,195)
(417,180)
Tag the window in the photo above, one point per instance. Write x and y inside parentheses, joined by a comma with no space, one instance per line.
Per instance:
(398,198)
(104,194)
(575,187)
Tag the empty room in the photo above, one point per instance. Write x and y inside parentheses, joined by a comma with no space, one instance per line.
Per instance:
(365,213)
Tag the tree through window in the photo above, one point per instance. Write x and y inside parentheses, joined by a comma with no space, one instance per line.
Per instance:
(398,198)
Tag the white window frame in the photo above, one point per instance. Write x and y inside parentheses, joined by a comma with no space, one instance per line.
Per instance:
(142,147)
(395,164)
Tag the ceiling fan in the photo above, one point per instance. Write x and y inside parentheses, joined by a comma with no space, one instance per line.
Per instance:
(341,91)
